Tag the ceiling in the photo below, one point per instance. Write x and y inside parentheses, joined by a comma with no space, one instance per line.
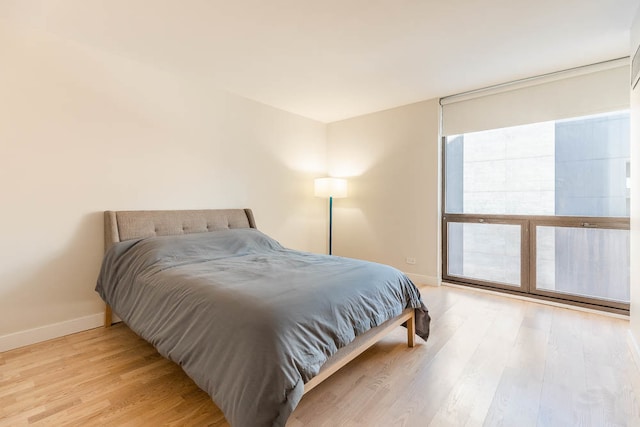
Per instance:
(333,59)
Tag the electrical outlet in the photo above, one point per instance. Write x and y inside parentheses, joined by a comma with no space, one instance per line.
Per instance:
(411,260)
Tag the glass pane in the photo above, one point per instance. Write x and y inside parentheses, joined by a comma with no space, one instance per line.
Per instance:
(592,165)
(575,167)
(590,262)
(489,252)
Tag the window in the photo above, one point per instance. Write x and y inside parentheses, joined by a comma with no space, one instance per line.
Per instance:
(536,200)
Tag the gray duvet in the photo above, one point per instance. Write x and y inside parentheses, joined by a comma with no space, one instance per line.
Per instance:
(248,320)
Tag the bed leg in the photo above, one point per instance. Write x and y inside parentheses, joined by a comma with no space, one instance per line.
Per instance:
(411,330)
(107,316)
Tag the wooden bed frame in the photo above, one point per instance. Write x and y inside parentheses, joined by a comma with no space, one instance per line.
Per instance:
(126,225)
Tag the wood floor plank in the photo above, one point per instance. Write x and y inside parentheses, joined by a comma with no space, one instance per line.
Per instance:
(516,400)
(470,399)
(490,361)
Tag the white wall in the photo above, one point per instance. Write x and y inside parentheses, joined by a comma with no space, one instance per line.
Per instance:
(391,161)
(83,131)
(635,188)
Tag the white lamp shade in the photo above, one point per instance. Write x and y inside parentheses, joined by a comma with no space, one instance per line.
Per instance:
(331,187)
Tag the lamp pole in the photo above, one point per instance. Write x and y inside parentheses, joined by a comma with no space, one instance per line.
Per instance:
(330,188)
(330,221)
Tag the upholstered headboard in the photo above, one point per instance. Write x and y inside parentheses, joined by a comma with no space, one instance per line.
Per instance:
(126,225)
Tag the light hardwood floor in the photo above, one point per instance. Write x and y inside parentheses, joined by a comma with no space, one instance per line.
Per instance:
(490,361)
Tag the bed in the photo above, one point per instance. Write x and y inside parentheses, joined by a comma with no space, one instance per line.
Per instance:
(254,324)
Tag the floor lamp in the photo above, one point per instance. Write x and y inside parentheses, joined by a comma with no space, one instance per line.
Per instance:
(331,188)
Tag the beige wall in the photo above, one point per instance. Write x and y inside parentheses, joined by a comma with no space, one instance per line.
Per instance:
(391,161)
(635,188)
(82,131)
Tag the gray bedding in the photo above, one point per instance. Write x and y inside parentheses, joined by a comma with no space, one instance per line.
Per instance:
(248,320)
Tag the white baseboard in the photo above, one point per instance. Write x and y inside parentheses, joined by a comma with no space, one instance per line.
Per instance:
(47,332)
(420,280)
